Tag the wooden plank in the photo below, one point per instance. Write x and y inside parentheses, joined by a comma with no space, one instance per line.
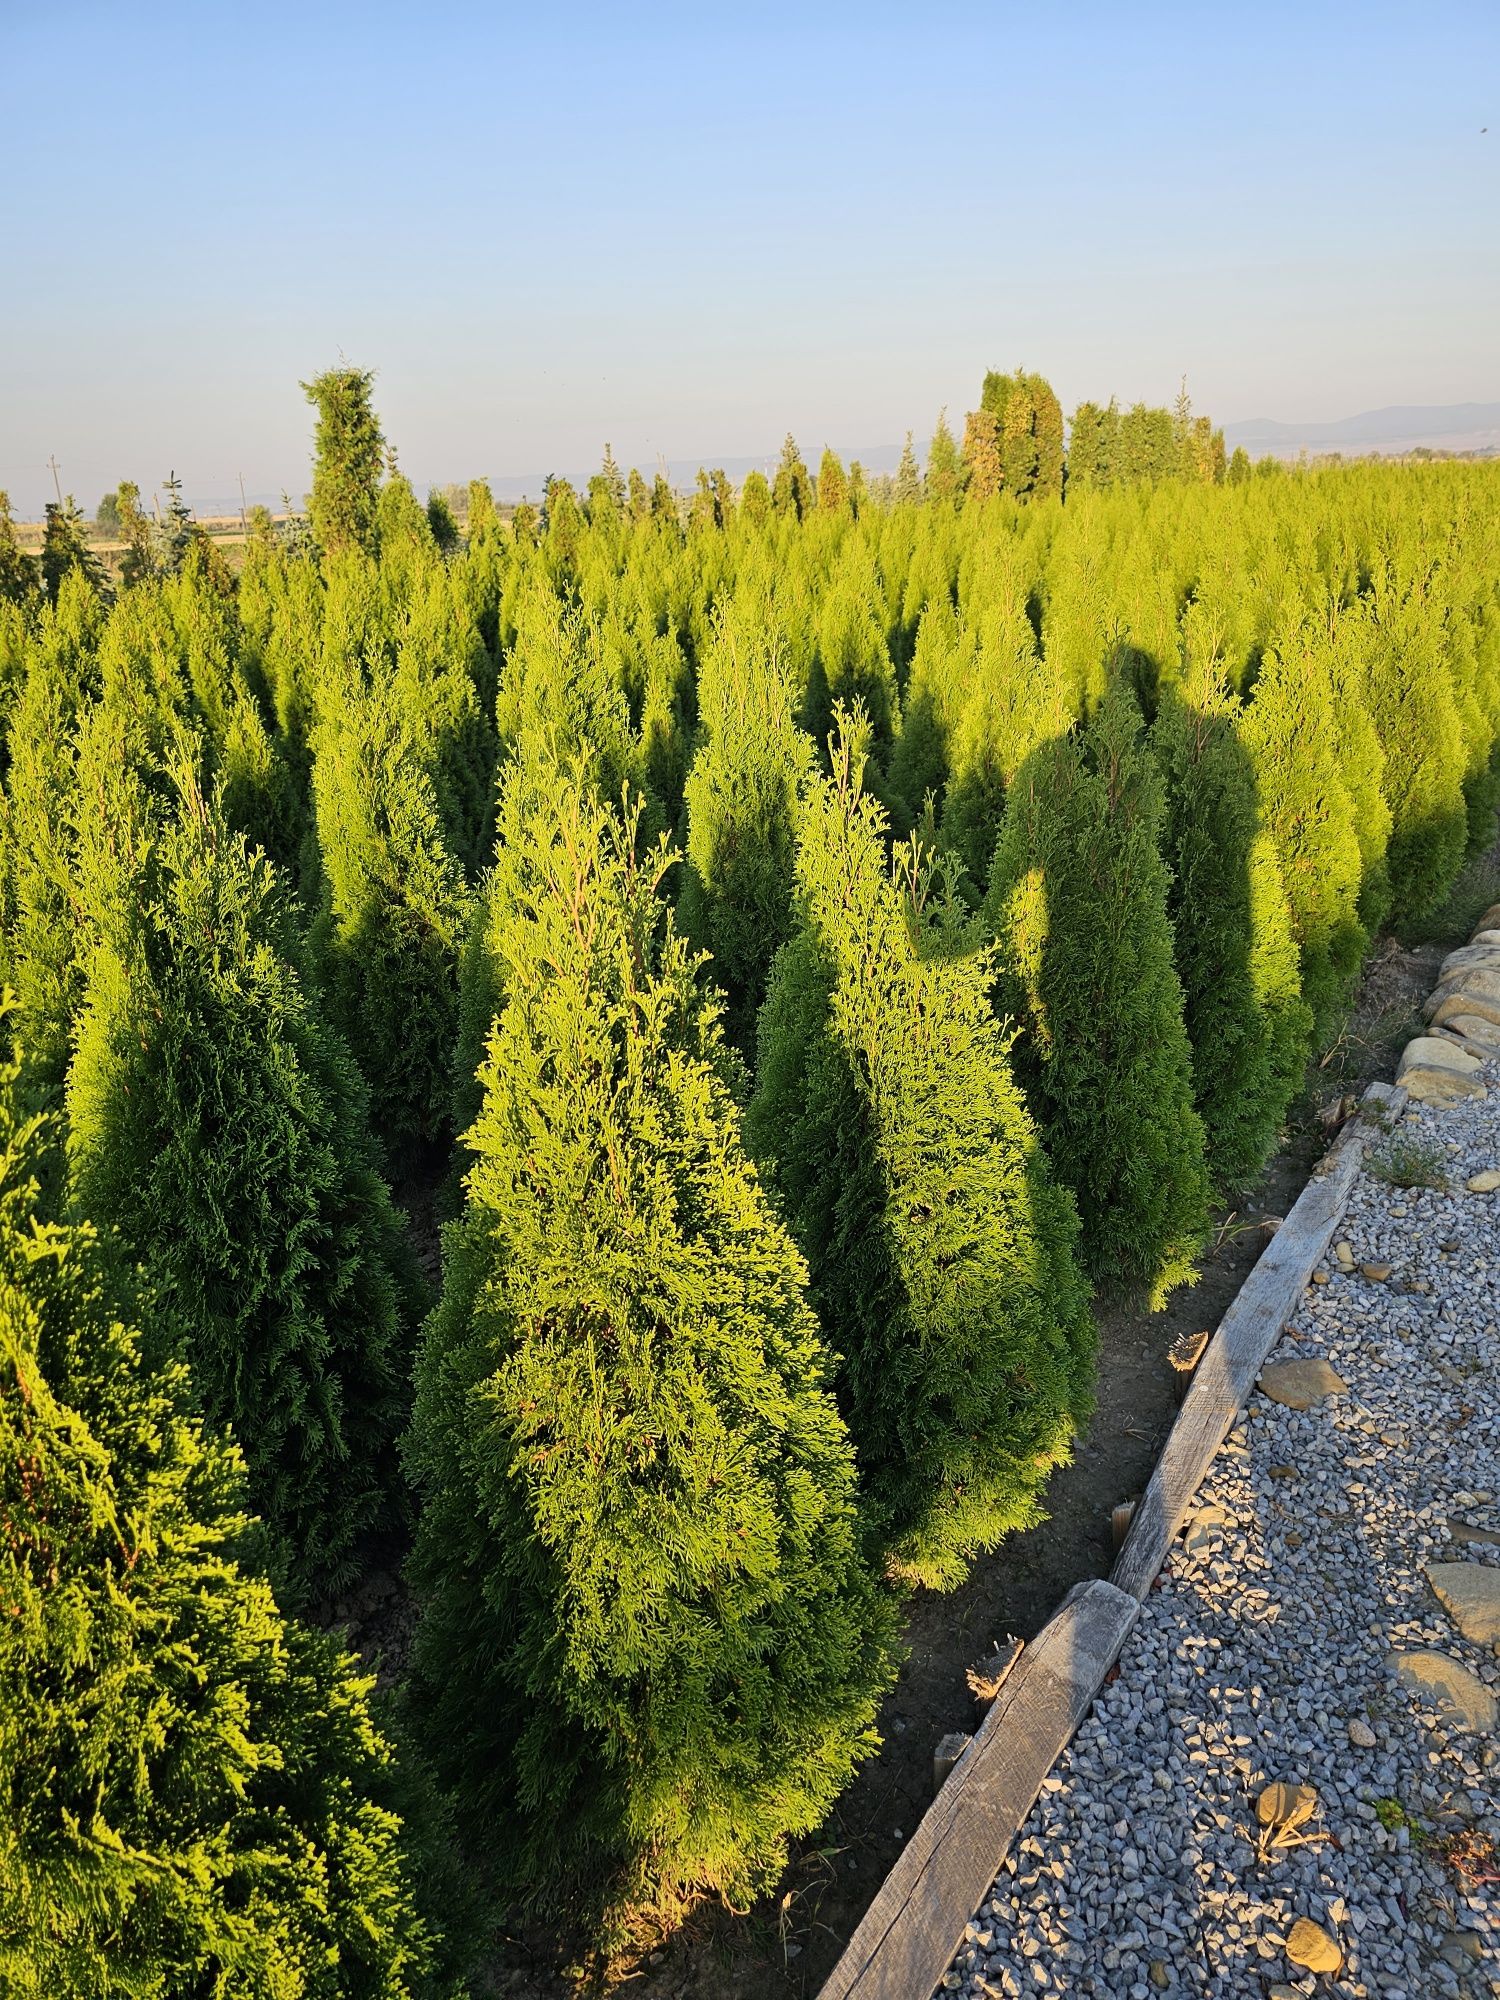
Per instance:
(912,1929)
(1246,1335)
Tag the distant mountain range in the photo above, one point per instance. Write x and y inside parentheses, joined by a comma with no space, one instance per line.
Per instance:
(1403,427)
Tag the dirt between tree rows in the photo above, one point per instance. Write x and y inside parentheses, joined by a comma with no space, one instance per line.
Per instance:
(785,1946)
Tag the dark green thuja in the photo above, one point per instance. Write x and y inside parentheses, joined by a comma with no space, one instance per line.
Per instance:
(649,1652)
(1078,905)
(395,905)
(221,1128)
(941,1251)
(741,795)
(348,458)
(19,575)
(194,1797)
(1248,1025)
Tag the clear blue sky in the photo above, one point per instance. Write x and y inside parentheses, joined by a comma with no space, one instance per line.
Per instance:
(686,231)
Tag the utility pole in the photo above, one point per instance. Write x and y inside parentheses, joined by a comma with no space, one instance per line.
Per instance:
(52,464)
(244,524)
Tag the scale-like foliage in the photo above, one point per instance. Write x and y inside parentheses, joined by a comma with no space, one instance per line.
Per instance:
(649,1652)
(193,1796)
(395,907)
(941,1251)
(1078,904)
(1292,734)
(736,899)
(1249,1028)
(220,1127)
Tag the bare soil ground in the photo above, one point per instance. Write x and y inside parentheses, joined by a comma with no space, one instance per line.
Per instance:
(784,1947)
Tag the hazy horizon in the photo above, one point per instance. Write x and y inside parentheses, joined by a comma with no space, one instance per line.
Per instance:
(689,239)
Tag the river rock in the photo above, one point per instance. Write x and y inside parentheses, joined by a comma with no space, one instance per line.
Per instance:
(1433,1052)
(1297,1385)
(1443,1684)
(1476,1031)
(1466,957)
(1470,1594)
(1311,1947)
(1479,986)
(1485,1183)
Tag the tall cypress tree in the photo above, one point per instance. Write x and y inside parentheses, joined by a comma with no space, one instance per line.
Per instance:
(1078,905)
(348,458)
(944,467)
(984,472)
(649,1650)
(792,490)
(908,486)
(1249,1027)
(833,487)
(941,1251)
(193,1795)
(219,1126)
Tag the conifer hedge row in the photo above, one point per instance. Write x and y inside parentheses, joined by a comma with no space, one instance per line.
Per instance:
(807,937)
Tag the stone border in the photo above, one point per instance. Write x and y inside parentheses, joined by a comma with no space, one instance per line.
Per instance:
(905,1941)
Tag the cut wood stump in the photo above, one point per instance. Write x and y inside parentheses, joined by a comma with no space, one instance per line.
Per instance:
(986,1677)
(1119,1523)
(950,1748)
(1184,1354)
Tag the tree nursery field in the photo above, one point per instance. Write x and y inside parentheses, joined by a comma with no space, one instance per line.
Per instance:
(809,944)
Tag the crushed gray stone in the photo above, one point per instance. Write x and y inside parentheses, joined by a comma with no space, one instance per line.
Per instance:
(1264,1655)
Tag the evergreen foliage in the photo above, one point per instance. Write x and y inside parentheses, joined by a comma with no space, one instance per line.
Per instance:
(394,906)
(218,1125)
(792,492)
(736,898)
(1292,736)
(941,1252)
(1249,1028)
(65,549)
(348,457)
(1078,905)
(649,1650)
(18,573)
(193,1795)
(944,481)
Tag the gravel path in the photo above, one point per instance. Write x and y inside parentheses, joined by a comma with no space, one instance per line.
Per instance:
(1264,1655)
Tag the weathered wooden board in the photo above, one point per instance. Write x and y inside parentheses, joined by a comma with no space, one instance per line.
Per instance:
(912,1929)
(1247,1333)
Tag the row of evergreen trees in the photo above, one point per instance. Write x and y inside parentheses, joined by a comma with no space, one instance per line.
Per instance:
(835,942)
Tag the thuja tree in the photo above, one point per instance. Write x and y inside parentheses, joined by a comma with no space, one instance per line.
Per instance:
(193,1795)
(1416,715)
(348,458)
(1248,1025)
(940,1249)
(649,1652)
(1077,903)
(394,905)
(19,575)
(220,1127)
(1291,731)
(741,795)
